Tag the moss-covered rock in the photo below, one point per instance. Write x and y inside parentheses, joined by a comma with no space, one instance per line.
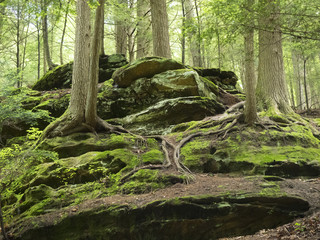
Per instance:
(189,218)
(61,76)
(143,68)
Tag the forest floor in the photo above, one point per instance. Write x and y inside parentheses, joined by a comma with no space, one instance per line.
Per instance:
(208,184)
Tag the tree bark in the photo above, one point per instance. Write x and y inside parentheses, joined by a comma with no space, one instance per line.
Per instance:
(160,28)
(143,29)
(250,78)
(183,37)
(18,60)
(193,32)
(102,52)
(64,32)
(297,77)
(272,92)
(305,82)
(91,104)
(199,42)
(45,34)
(121,33)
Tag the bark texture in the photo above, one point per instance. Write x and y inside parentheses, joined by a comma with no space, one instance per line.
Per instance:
(250,78)
(160,28)
(143,29)
(91,105)
(45,34)
(272,92)
(121,32)
(192,30)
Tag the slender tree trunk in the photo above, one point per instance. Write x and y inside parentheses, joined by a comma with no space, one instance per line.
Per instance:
(183,37)
(131,34)
(305,82)
(143,29)
(160,28)
(250,78)
(38,48)
(64,32)
(102,52)
(272,92)
(193,33)
(91,105)
(297,77)
(23,65)
(199,45)
(18,61)
(121,33)
(45,34)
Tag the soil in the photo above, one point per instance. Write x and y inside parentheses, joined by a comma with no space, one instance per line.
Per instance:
(308,189)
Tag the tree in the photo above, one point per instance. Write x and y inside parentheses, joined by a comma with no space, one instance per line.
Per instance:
(45,34)
(250,78)
(143,28)
(160,28)
(81,114)
(193,33)
(120,29)
(272,93)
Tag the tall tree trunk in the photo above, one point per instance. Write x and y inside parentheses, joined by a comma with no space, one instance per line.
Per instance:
(45,34)
(250,78)
(18,60)
(183,35)
(91,105)
(23,64)
(160,28)
(193,31)
(199,44)
(80,73)
(38,48)
(64,32)
(120,31)
(143,29)
(272,92)
(131,33)
(102,52)
(305,82)
(297,77)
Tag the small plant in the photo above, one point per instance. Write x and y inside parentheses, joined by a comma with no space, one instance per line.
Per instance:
(299,227)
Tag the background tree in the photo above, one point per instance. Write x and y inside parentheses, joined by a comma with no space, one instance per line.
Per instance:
(120,27)
(143,28)
(160,28)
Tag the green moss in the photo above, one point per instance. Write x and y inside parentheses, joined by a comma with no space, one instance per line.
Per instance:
(196,154)
(153,156)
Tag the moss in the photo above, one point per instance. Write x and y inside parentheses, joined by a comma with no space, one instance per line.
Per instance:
(196,154)
(152,157)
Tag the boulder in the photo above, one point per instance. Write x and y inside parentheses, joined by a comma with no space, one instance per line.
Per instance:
(143,68)
(61,76)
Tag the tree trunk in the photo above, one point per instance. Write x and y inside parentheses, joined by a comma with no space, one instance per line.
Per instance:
(38,48)
(64,32)
(18,61)
(143,29)
(183,37)
(305,82)
(160,28)
(121,33)
(250,78)
(91,105)
(44,6)
(297,77)
(192,31)
(272,92)
(80,73)
(102,52)
(199,42)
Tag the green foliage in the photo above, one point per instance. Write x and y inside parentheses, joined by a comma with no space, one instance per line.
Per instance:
(12,110)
